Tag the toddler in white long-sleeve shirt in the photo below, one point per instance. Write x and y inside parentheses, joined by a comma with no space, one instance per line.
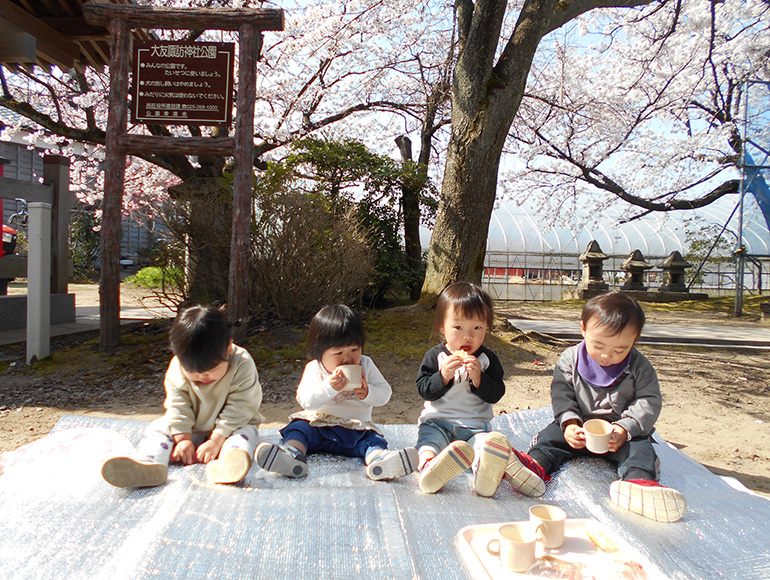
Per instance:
(336,419)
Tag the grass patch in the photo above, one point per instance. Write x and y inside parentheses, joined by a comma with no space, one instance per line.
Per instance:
(278,347)
(399,334)
(715,304)
(154,277)
(403,334)
(139,354)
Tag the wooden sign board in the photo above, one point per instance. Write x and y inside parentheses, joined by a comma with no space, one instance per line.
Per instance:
(181,83)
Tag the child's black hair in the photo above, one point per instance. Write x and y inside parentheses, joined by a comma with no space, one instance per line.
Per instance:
(468,299)
(614,311)
(334,326)
(200,337)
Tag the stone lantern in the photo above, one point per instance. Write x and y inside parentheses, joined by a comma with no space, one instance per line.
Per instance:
(673,273)
(636,267)
(593,276)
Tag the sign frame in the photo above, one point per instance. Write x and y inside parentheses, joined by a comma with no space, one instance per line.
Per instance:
(182,83)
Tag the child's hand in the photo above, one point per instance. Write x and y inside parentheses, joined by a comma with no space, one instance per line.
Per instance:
(184,450)
(209,450)
(451,364)
(337,380)
(473,366)
(363,391)
(618,438)
(575,436)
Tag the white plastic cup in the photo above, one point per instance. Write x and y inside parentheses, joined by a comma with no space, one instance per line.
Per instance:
(598,432)
(353,375)
(515,546)
(549,522)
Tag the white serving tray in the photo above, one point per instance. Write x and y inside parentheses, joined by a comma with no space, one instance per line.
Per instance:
(579,558)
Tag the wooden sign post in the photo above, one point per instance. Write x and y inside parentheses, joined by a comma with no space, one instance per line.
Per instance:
(120,19)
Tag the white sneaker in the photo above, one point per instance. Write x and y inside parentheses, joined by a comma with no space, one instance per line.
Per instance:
(453,460)
(649,499)
(283,460)
(492,464)
(392,464)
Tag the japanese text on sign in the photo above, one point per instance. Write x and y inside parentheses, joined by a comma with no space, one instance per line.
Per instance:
(182,82)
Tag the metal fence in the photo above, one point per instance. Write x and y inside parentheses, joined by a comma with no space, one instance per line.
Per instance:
(541,277)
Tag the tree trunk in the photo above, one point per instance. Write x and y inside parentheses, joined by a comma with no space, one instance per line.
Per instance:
(207,227)
(485,98)
(410,202)
(458,243)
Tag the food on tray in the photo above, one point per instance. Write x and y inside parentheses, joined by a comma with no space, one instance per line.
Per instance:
(600,538)
(630,570)
(549,567)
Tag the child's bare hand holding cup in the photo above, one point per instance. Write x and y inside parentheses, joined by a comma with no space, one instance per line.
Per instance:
(618,438)
(337,379)
(363,391)
(575,436)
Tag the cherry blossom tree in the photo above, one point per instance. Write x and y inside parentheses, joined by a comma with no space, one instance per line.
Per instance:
(635,99)
(647,110)
(348,68)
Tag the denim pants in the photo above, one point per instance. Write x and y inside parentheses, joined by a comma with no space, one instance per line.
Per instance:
(437,434)
(333,439)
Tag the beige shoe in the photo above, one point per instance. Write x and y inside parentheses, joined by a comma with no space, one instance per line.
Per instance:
(129,472)
(492,464)
(649,499)
(453,460)
(231,467)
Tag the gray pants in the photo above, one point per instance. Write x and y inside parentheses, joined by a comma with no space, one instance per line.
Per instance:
(635,460)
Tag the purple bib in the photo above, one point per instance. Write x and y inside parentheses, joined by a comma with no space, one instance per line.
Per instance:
(595,374)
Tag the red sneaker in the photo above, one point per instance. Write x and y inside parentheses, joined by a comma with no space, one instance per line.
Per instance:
(648,498)
(525,475)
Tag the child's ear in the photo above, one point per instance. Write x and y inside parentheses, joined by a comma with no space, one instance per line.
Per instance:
(583,328)
(230,348)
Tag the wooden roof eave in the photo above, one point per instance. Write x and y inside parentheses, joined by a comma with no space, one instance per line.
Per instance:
(51,47)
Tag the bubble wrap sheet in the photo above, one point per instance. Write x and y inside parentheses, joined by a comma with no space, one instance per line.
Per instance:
(60,520)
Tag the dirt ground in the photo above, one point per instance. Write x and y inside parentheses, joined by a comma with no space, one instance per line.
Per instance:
(716,401)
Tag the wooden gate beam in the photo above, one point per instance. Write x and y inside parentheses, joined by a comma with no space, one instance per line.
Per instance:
(184,18)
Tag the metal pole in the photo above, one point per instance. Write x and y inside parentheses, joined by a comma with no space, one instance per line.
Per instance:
(740,251)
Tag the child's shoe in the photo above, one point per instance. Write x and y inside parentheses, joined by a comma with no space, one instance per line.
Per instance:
(525,475)
(392,464)
(284,460)
(453,460)
(231,467)
(129,472)
(649,499)
(492,464)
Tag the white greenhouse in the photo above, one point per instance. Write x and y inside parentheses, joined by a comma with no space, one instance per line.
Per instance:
(529,259)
